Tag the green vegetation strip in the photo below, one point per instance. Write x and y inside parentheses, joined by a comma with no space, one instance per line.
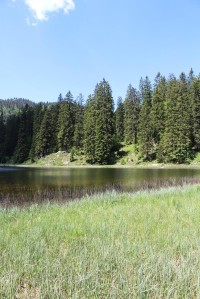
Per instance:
(145,245)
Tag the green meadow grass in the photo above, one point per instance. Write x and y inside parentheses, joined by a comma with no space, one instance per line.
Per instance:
(145,245)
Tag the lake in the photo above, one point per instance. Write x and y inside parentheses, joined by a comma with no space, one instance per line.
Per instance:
(25,185)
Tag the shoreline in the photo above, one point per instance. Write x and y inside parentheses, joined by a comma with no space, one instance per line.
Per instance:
(140,166)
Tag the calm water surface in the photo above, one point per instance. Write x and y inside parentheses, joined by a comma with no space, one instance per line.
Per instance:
(72,182)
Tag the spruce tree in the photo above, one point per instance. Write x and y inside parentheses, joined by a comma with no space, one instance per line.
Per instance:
(78,127)
(196,114)
(89,129)
(39,112)
(60,98)
(131,117)
(191,94)
(119,120)
(104,128)
(44,135)
(176,142)
(24,140)
(158,111)
(54,112)
(11,135)
(66,121)
(2,138)
(145,125)
(99,124)
(183,122)
(190,78)
(168,140)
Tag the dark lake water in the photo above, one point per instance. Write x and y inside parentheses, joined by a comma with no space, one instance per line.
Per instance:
(18,185)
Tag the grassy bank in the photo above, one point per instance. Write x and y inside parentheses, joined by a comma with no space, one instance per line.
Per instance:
(126,156)
(145,245)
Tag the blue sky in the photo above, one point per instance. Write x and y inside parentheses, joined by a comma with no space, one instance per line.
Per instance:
(52,46)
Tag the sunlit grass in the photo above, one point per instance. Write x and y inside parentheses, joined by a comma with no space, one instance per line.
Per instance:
(145,245)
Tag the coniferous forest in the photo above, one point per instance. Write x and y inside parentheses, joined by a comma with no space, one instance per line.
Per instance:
(162,120)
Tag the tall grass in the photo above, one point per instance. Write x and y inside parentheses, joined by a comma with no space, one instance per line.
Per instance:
(27,195)
(145,245)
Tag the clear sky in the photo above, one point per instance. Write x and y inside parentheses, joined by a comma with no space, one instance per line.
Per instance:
(52,46)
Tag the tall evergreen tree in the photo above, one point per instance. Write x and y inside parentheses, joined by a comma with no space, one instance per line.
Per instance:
(24,140)
(66,121)
(158,111)
(48,132)
(131,117)
(99,124)
(44,135)
(177,137)
(184,121)
(54,113)
(104,122)
(190,78)
(69,98)
(145,125)
(11,135)
(89,129)
(2,138)
(60,98)
(191,94)
(39,112)
(119,120)
(168,140)
(195,94)
(78,128)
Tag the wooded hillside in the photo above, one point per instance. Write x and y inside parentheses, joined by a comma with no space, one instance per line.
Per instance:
(163,121)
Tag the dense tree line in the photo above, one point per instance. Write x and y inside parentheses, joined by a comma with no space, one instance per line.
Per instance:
(162,121)
(13,106)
